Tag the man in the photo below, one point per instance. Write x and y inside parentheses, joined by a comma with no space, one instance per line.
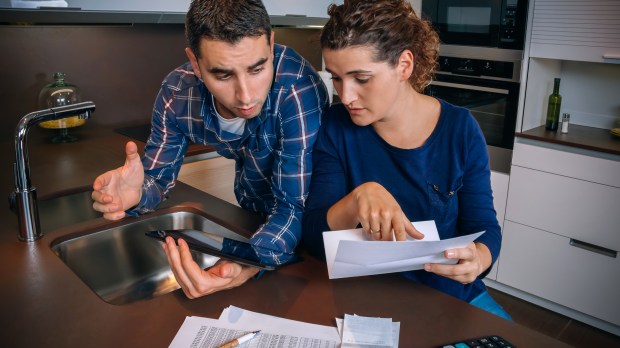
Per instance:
(258,103)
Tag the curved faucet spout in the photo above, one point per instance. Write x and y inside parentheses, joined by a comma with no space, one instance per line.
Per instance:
(24,197)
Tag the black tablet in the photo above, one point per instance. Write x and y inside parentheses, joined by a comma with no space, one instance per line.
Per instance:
(211,244)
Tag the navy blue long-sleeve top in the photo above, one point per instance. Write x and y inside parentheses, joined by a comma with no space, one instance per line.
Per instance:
(447,180)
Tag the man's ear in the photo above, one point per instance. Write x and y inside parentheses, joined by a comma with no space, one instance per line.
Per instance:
(272,41)
(405,64)
(194,61)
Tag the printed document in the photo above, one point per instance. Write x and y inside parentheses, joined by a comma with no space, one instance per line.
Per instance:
(349,253)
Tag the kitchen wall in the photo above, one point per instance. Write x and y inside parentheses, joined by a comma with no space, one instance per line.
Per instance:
(119,67)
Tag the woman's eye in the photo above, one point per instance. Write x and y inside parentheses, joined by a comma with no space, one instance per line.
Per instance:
(362,80)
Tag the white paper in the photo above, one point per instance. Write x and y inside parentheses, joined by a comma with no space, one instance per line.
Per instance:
(238,317)
(349,254)
(395,331)
(198,332)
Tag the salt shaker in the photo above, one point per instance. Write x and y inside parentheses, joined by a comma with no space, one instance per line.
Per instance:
(565,121)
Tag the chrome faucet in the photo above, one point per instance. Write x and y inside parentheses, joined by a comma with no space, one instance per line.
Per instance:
(24,199)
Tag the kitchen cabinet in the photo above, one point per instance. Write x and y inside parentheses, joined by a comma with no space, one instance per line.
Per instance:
(499,185)
(560,238)
(576,30)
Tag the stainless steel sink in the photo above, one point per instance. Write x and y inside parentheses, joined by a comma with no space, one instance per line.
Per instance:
(122,265)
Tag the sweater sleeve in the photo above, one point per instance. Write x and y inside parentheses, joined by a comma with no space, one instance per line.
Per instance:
(476,210)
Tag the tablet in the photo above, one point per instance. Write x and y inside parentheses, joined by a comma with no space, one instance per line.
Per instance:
(211,244)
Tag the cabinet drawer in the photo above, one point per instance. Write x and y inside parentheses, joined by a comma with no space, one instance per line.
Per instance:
(569,207)
(600,170)
(546,265)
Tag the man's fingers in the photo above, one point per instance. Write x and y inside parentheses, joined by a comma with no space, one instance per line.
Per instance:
(131,151)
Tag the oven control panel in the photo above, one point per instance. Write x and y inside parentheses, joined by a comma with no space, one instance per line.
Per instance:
(476,67)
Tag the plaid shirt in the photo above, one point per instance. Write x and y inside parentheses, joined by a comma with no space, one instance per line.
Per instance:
(272,157)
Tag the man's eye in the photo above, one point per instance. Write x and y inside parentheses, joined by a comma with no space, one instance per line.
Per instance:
(257,70)
(336,78)
(222,77)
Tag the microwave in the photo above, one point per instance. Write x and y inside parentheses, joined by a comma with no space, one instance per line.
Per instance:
(484,23)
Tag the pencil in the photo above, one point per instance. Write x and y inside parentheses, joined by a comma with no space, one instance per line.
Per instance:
(239,341)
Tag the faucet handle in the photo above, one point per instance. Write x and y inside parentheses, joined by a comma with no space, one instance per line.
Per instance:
(13,202)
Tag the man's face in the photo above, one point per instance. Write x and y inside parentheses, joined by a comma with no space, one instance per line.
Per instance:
(238,75)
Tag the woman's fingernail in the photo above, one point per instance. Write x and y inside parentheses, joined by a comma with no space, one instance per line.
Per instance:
(427,267)
(450,254)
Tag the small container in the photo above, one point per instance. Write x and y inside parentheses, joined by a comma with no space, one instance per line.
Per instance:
(60,93)
(565,122)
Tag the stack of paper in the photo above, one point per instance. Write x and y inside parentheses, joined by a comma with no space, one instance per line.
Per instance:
(366,332)
(235,322)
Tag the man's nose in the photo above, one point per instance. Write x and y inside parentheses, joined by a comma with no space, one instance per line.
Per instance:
(243,91)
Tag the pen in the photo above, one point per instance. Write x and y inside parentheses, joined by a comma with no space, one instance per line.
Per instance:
(239,341)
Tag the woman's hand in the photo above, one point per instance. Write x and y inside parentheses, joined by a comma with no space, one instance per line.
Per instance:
(197,282)
(473,260)
(379,213)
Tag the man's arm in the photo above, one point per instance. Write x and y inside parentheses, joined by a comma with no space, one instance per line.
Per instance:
(163,154)
(300,117)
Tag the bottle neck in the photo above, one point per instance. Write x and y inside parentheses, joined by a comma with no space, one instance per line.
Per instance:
(556,86)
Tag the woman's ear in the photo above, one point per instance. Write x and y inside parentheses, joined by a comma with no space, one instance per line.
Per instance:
(405,65)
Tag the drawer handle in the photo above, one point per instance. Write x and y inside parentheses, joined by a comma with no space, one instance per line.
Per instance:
(593,248)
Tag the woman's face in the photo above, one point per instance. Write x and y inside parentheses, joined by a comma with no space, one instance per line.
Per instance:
(370,90)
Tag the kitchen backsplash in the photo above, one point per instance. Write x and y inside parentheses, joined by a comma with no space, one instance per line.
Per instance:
(119,67)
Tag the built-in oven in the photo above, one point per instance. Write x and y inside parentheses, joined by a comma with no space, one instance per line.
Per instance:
(484,23)
(488,86)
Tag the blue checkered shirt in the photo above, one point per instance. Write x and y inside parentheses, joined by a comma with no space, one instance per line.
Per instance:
(273,160)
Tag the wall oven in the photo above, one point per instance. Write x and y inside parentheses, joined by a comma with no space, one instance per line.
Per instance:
(487,85)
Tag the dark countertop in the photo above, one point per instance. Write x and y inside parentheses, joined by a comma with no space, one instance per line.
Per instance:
(45,304)
(588,138)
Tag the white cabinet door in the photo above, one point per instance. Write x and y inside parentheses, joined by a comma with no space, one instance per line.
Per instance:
(499,184)
(546,265)
(576,30)
(569,207)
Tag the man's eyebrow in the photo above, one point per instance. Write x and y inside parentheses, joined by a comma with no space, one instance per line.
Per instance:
(224,71)
(257,64)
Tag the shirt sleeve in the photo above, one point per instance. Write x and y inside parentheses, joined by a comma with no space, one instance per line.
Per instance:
(163,154)
(300,117)
(476,210)
(328,187)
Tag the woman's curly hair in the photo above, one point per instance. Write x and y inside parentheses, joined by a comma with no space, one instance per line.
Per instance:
(390,27)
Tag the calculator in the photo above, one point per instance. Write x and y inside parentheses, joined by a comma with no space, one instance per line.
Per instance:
(482,342)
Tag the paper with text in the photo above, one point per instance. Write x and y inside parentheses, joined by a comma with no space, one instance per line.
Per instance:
(198,332)
(238,317)
(349,254)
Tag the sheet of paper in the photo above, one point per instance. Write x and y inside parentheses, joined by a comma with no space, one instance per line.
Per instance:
(348,254)
(395,331)
(238,317)
(197,332)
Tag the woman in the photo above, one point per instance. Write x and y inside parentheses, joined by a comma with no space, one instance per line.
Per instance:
(388,154)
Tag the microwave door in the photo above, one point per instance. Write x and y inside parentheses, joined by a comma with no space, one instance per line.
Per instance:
(470,23)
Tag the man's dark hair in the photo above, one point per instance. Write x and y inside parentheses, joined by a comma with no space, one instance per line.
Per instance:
(225,20)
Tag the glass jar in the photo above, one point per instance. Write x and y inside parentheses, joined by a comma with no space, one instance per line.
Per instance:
(59,93)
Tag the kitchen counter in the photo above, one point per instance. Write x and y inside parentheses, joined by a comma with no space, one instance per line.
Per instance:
(45,304)
(588,138)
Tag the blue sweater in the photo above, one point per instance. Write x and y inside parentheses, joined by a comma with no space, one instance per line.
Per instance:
(447,180)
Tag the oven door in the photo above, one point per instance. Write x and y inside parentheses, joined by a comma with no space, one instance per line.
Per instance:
(469,22)
(492,103)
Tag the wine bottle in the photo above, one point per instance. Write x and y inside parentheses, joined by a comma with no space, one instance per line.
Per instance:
(553,108)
